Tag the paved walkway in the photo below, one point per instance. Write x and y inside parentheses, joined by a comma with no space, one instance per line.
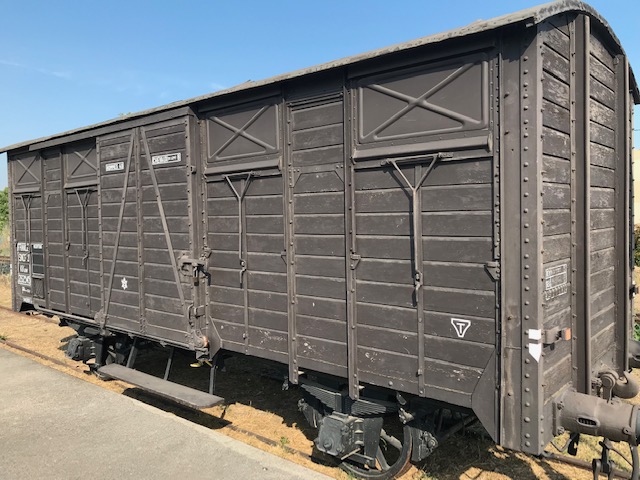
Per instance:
(56,426)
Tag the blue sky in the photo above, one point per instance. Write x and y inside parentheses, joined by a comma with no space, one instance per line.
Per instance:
(67,64)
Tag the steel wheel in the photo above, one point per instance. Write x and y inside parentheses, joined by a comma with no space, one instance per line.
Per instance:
(392,458)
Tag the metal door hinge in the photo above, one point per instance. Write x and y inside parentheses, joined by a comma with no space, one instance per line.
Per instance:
(556,334)
(355,260)
(493,269)
(191,267)
(195,312)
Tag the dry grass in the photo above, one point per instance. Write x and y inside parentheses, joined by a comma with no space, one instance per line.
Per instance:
(5,291)
(257,404)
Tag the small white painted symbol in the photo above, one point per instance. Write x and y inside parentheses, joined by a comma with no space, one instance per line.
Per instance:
(535,348)
(125,284)
(461,326)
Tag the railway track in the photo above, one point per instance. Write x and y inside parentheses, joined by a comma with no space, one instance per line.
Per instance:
(224,425)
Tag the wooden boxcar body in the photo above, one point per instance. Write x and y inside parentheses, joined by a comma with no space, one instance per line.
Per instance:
(447,219)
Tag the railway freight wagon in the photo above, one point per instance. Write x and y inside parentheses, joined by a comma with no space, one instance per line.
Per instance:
(421,236)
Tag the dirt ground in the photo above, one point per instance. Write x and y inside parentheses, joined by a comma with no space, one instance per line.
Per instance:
(255,402)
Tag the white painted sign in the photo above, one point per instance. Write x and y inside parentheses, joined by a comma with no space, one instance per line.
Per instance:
(114,167)
(24,280)
(460,325)
(124,284)
(164,159)
(22,247)
(556,282)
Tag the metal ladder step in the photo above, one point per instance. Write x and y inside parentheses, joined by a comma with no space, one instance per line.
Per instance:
(187,396)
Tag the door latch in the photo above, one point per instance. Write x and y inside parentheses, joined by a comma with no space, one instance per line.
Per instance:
(191,267)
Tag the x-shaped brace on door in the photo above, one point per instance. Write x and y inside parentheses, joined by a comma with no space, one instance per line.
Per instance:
(245,181)
(83,159)
(421,102)
(27,169)
(242,132)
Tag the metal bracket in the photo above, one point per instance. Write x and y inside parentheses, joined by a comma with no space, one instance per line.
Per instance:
(195,312)
(553,335)
(191,267)
(355,260)
(493,269)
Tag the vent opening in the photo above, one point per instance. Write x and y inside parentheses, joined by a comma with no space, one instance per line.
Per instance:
(587,422)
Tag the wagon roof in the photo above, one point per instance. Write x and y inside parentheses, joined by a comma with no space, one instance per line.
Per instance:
(530,16)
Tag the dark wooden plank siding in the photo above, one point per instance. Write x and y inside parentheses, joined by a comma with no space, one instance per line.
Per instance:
(456,237)
(122,309)
(163,195)
(602,124)
(317,155)
(556,200)
(83,252)
(54,248)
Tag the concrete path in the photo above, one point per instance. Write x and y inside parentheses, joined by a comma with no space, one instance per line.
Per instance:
(56,426)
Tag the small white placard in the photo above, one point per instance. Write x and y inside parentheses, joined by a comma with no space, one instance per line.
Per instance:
(24,280)
(168,158)
(114,167)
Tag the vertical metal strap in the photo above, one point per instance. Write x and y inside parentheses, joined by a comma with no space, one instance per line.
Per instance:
(628,212)
(116,245)
(167,370)
(133,353)
(244,185)
(26,203)
(142,305)
(242,245)
(587,204)
(83,201)
(418,255)
(575,369)
(163,217)
(289,179)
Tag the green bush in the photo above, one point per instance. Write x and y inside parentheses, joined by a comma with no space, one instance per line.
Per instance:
(4,207)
